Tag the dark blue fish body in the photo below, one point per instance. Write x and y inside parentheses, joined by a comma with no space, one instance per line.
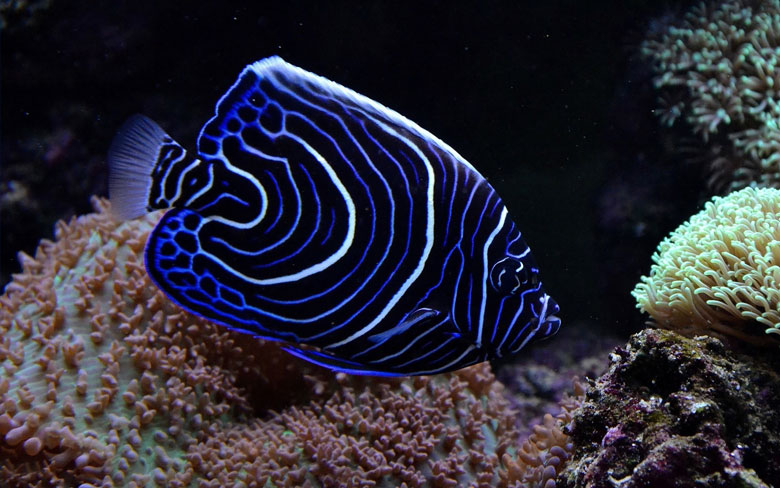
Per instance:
(314,215)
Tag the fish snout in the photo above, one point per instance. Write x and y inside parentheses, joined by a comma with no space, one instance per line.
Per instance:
(549,323)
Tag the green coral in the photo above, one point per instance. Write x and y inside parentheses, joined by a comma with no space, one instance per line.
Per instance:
(720,271)
(718,70)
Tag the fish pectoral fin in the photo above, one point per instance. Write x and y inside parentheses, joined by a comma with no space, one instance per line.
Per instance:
(416,317)
(338,364)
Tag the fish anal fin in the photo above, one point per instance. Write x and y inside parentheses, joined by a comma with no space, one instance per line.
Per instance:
(338,364)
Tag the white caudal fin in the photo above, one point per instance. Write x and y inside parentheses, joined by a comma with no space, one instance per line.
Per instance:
(131,160)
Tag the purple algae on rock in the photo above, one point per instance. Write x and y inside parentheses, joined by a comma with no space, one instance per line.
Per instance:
(678,412)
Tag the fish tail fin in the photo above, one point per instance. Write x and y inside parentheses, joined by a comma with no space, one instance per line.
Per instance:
(134,153)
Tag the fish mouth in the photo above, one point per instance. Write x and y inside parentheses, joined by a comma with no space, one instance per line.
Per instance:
(550,326)
(549,323)
(543,325)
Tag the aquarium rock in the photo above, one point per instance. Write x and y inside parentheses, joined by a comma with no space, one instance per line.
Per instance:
(673,411)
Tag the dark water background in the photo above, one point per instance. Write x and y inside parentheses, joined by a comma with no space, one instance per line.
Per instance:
(546,99)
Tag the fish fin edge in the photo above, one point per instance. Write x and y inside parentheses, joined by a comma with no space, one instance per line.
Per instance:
(131,160)
(337,364)
(281,73)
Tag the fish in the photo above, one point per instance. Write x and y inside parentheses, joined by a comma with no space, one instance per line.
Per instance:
(314,216)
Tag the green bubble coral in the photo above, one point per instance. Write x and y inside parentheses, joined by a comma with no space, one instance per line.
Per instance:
(716,69)
(719,273)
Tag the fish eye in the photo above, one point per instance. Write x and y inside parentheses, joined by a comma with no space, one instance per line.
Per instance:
(509,275)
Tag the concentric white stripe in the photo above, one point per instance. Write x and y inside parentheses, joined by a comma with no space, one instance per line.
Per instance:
(205,188)
(263,197)
(270,67)
(322,265)
(485,269)
(429,238)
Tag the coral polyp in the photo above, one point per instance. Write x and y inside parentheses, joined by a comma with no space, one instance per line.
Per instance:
(719,272)
(716,70)
(105,382)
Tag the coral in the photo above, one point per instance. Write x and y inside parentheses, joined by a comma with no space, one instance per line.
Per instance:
(105,382)
(103,379)
(716,69)
(678,412)
(548,450)
(443,431)
(538,381)
(719,273)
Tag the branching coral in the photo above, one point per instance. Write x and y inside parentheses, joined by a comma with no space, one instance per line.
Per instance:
(105,382)
(720,271)
(717,69)
(103,379)
(441,431)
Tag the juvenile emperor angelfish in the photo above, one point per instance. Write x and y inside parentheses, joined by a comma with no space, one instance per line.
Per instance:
(313,215)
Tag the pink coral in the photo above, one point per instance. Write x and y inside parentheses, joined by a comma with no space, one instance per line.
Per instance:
(105,382)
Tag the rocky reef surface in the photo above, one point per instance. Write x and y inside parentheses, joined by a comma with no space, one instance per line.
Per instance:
(679,412)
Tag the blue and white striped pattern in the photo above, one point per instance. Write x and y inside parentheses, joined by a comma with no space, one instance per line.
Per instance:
(314,215)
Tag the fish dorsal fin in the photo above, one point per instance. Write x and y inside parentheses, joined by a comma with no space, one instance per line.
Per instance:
(278,73)
(131,160)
